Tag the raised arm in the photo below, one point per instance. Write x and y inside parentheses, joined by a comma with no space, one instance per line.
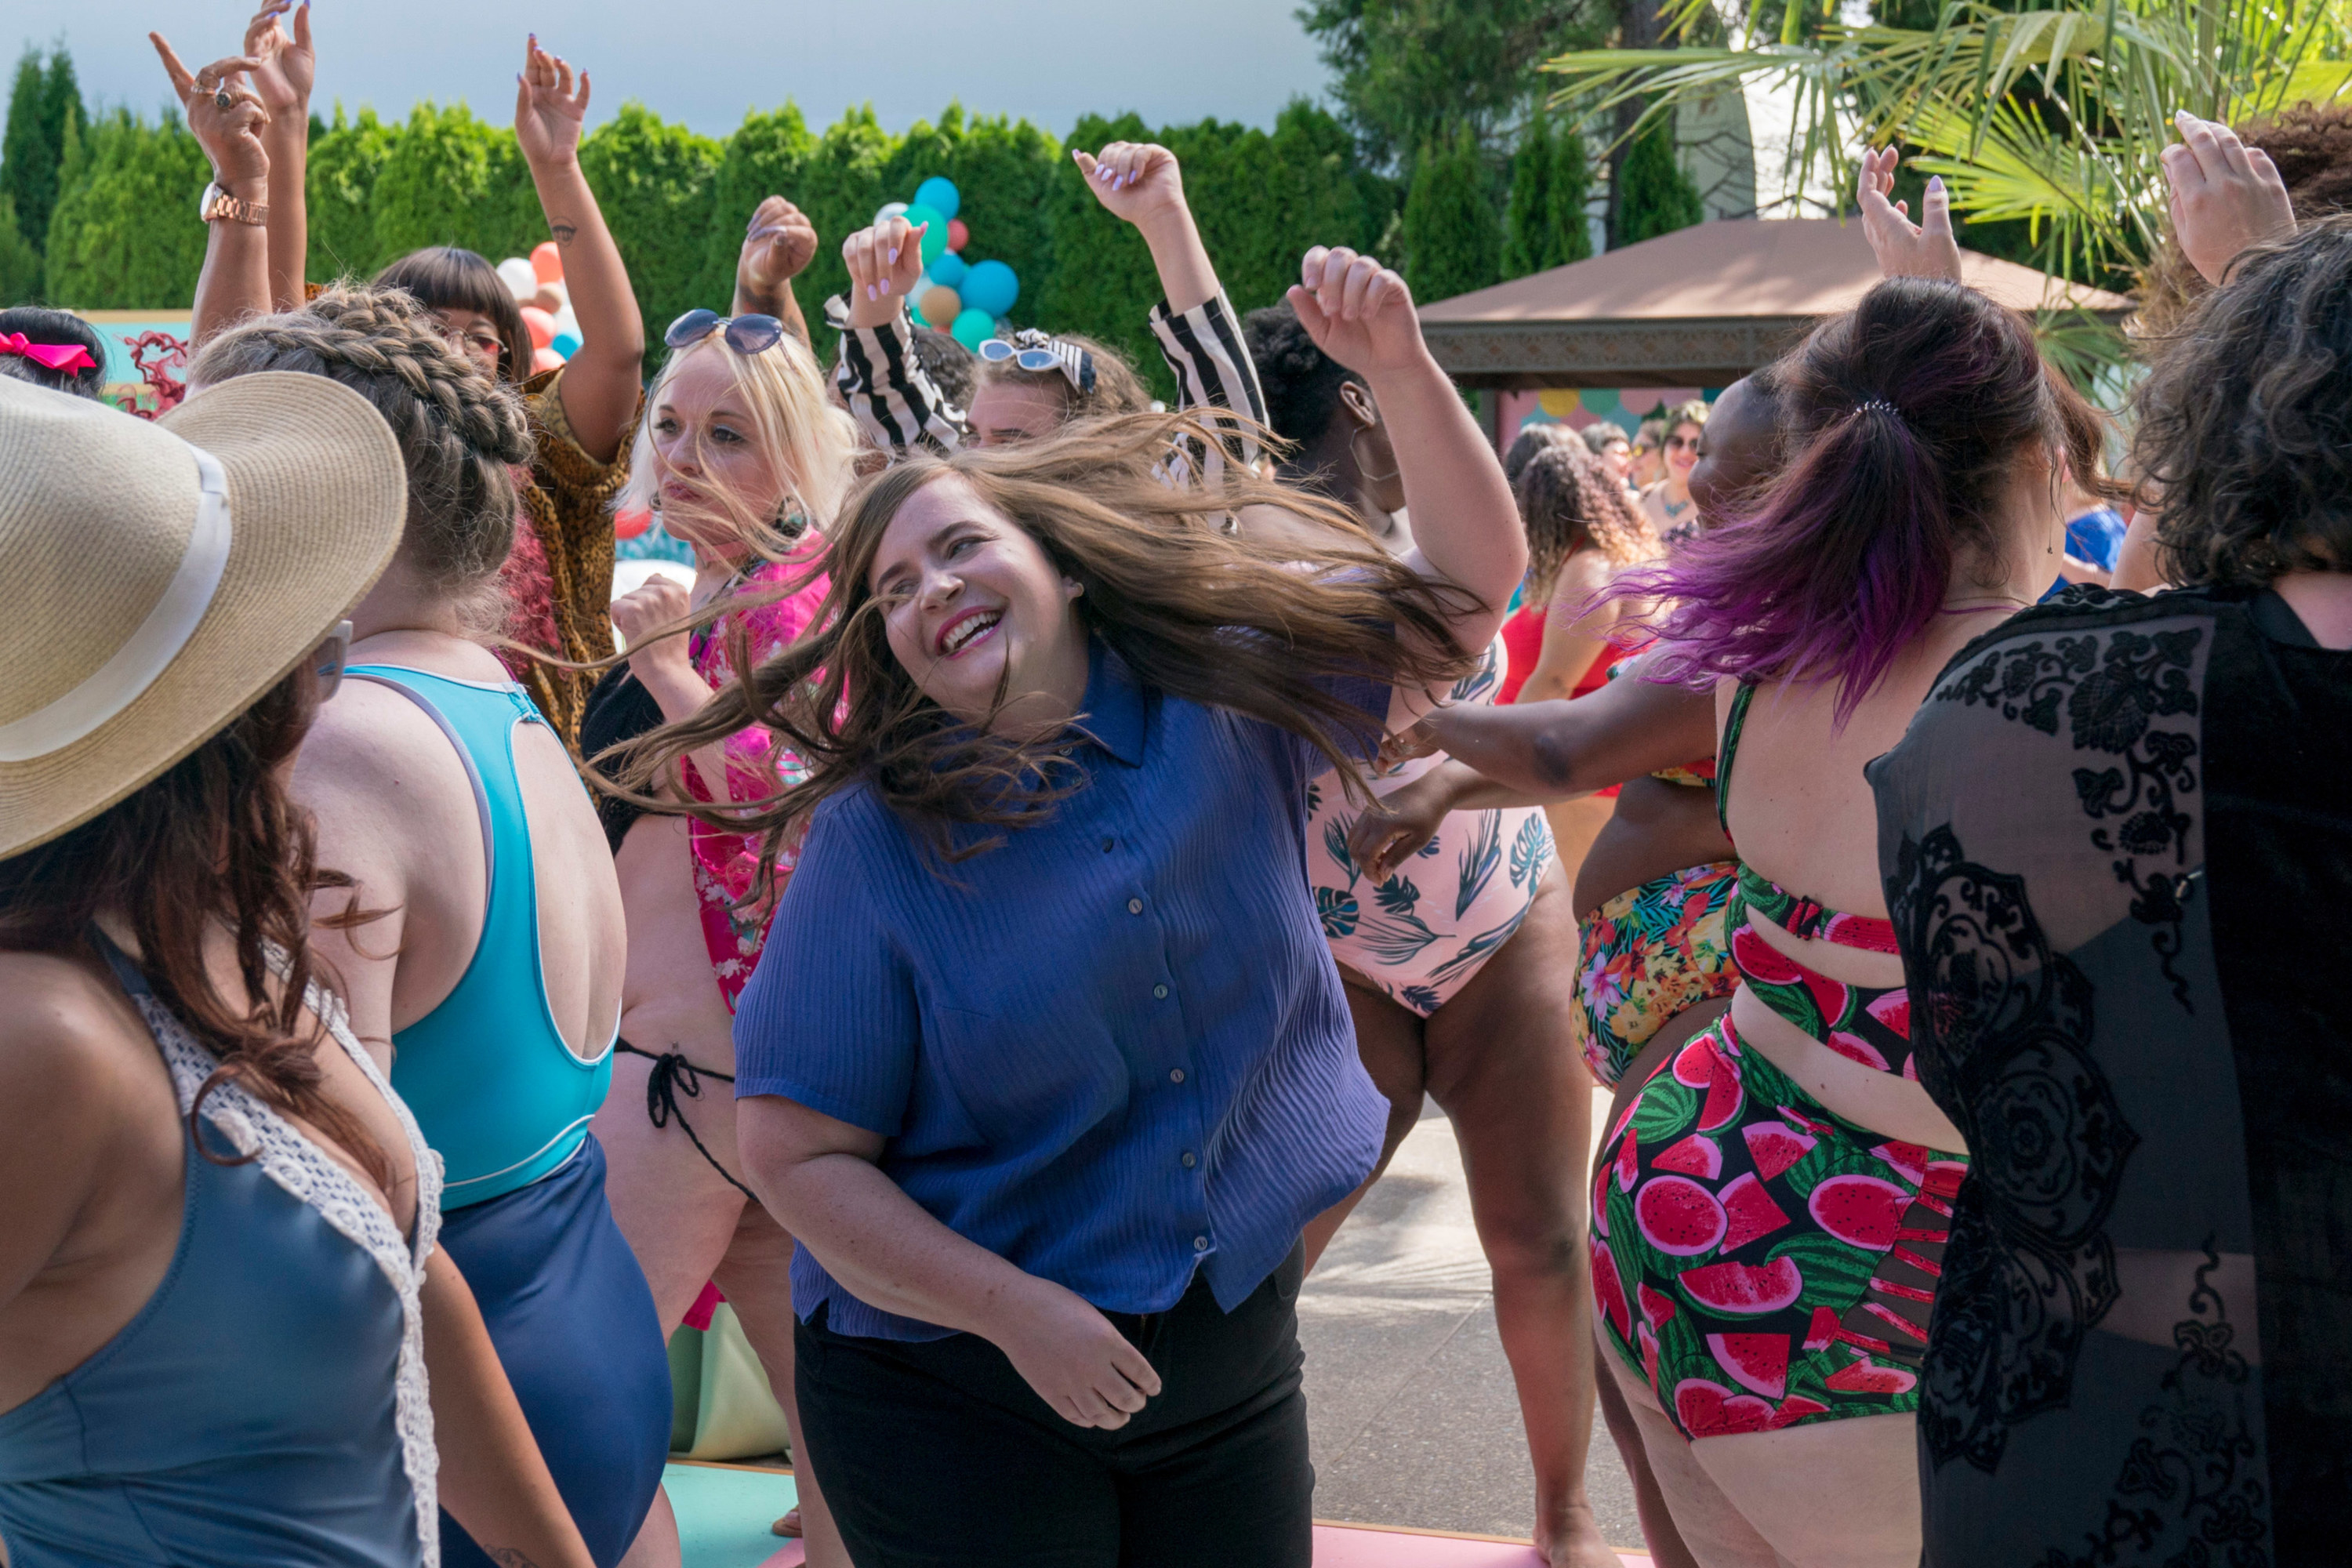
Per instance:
(282,75)
(1466,528)
(226,116)
(778,245)
(2225,195)
(1903,248)
(885,387)
(600,382)
(1141,182)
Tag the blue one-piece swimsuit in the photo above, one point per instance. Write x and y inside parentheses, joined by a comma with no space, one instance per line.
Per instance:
(507,1102)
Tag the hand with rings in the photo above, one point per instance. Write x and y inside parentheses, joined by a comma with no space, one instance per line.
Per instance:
(226,118)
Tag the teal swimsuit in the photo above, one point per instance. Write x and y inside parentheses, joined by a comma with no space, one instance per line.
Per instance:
(508,1105)
(488,1073)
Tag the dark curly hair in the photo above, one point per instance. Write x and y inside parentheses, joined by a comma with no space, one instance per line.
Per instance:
(1567,500)
(2245,423)
(64,329)
(1301,382)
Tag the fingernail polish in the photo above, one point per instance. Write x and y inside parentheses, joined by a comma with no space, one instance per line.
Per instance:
(894,254)
(1935,183)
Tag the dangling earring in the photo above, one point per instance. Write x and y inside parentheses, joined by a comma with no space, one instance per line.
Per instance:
(1362,469)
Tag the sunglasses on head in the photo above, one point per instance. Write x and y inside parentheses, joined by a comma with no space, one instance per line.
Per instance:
(1034,350)
(746,336)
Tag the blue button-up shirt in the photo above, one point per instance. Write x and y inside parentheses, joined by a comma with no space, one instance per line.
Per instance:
(1113,1050)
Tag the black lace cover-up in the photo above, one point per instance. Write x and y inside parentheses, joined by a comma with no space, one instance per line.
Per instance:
(2117,850)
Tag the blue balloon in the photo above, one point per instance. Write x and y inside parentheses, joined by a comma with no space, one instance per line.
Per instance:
(939,195)
(949,270)
(974,328)
(566,344)
(990,286)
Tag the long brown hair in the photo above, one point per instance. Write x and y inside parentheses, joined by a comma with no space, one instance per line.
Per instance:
(214,841)
(1200,613)
(1568,499)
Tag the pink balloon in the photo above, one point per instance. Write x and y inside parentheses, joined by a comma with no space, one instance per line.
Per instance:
(547,261)
(958,236)
(540,324)
(544,360)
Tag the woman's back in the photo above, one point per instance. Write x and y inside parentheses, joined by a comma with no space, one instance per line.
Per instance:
(512,946)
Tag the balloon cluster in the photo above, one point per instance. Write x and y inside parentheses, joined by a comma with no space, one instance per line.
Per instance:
(538,287)
(963,299)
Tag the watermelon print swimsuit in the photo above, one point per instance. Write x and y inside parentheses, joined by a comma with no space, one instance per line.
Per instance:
(1759,1259)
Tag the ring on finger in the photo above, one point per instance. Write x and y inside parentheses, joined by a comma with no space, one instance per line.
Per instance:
(221,99)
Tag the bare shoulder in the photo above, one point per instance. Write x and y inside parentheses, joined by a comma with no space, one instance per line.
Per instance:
(373,750)
(69,1042)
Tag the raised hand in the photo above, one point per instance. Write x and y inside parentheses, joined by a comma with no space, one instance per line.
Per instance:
(549,109)
(1357,312)
(226,116)
(778,245)
(283,67)
(638,615)
(2226,195)
(884,262)
(1138,181)
(1903,248)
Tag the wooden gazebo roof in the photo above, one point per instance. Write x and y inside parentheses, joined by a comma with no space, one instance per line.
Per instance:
(1700,307)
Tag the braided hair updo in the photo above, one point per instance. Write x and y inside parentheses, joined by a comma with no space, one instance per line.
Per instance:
(460,432)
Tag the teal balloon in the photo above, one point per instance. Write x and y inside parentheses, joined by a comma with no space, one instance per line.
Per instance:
(939,195)
(935,239)
(949,272)
(566,344)
(974,328)
(990,286)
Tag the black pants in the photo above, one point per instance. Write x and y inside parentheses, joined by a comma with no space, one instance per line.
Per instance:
(938,1454)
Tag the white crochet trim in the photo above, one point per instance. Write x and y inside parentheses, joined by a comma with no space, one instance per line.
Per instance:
(299,1166)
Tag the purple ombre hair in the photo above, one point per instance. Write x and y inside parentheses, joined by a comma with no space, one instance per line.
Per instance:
(1905,419)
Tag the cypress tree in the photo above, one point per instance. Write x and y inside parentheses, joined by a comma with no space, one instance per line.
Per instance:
(1567,236)
(1527,221)
(44,113)
(1453,242)
(1658,197)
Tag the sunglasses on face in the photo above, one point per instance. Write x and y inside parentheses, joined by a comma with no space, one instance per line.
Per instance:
(1033,351)
(747,335)
(1680,443)
(326,664)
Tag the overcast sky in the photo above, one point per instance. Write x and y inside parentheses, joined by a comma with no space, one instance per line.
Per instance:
(708,61)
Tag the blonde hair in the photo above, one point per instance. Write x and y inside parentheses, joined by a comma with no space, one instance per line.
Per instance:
(812,440)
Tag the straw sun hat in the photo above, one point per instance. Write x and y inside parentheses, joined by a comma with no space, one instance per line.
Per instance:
(156,578)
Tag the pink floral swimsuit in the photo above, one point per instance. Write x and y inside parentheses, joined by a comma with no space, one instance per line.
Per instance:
(727,865)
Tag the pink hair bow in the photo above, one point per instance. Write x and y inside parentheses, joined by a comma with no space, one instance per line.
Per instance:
(56,356)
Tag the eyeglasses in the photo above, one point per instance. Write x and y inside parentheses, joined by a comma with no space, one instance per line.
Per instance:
(1676,443)
(1034,350)
(747,335)
(326,664)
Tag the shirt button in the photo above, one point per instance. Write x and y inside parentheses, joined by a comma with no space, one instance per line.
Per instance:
(1175,1074)
(1135,906)
(1109,845)
(1190,1159)
(1200,1244)
(1160,992)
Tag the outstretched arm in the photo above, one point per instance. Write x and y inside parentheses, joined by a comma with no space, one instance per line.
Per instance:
(600,387)
(884,383)
(282,76)
(1465,526)
(227,119)
(1548,750)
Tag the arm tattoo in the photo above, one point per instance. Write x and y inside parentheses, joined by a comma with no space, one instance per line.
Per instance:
(563,229)
(507,1557)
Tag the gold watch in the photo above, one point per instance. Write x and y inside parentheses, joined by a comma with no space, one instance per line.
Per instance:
(216,204)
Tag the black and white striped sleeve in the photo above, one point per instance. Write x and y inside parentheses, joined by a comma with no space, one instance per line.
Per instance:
(892,398)
(1213,374)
